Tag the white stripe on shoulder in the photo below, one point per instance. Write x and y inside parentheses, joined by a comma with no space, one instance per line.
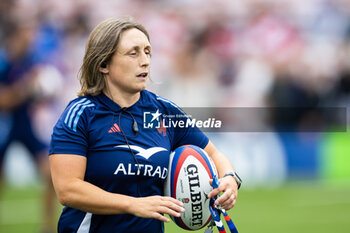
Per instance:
(72,107)
(85,224)
(75,112)
(171,103)
(76,119)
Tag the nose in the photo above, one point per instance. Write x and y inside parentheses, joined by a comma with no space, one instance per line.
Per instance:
(145,60)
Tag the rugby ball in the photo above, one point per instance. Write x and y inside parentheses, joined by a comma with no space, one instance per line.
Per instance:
(190,169)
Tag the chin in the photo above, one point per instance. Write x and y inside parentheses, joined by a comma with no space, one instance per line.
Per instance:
(143,87)
(140,88)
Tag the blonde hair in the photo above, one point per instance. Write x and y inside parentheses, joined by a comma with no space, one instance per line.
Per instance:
(101,45)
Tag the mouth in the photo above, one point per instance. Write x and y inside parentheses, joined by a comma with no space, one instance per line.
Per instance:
(142,75)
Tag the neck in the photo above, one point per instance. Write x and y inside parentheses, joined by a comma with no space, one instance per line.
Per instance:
(124,100)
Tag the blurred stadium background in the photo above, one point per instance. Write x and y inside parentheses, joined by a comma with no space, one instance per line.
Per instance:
(206,53)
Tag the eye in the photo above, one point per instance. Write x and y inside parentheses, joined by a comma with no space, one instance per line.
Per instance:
(133,53)
(147,52)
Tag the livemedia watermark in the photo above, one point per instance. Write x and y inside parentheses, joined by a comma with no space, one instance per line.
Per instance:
(286,119)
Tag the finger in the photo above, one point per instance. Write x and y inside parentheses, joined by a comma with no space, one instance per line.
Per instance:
(229,206)
(224,197)
(173,200)
(160,217)
(168,211)
(229,203)
(174,206)
(215,192)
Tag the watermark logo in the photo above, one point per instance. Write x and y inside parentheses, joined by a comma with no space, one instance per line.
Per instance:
(240,119)
(157,120)
(151,120)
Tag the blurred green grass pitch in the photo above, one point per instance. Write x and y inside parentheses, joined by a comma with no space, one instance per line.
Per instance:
(299,208)
(302,208)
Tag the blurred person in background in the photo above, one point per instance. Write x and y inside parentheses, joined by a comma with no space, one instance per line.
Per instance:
(19,90)
(189,71)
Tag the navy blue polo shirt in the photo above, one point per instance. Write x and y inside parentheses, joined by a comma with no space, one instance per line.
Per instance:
(92,126)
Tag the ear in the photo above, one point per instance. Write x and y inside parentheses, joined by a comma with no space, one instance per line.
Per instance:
(104,67)
(104,70)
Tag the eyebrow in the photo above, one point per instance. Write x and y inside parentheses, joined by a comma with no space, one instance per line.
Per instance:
(138,47)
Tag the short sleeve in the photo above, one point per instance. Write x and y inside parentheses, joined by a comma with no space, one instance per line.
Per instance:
(70,134)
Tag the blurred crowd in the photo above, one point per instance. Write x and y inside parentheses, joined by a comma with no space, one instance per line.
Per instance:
(220,53)
(206,53)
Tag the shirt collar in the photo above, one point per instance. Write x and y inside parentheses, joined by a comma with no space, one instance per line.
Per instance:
(113,106)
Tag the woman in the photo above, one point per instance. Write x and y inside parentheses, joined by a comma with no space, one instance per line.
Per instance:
(107,169)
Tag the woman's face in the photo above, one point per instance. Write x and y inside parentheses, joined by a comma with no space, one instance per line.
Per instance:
(129,67)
